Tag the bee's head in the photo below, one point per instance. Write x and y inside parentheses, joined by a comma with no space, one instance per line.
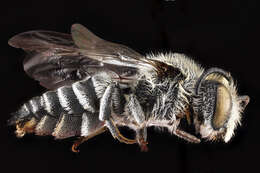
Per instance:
(217,106)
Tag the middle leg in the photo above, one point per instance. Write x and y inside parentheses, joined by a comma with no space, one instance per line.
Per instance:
(136,111)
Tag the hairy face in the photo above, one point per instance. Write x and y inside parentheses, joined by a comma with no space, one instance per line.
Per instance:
(218,108)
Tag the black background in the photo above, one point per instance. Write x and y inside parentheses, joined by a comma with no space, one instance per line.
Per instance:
(222,33)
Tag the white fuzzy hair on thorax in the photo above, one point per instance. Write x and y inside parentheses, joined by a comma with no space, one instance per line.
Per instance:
(193,71)
(181,61)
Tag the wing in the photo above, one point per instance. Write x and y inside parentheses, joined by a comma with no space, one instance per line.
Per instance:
(52,57)
(106,52)
(57,59)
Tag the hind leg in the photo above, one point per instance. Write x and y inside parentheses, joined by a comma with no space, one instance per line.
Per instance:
(90,127)
(135,110)
(105,115)
(116,133)
(85,138)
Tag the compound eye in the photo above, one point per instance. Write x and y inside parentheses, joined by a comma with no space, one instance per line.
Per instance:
(222,108)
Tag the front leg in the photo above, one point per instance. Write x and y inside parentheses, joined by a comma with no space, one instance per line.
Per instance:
(105,115)
(186,136)
(182,134)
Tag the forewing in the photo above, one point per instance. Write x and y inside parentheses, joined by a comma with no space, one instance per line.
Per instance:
(51,58)
(57,59)
(106,52)
(54,59)
(41,40)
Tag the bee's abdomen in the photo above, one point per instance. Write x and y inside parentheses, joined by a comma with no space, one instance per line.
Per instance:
(52,104)
(85,95)
(34,108)
(46,125)
(58,113)
(67,126)
(69,101)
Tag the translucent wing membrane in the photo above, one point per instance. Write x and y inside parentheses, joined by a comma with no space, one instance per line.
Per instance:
(104,51)
(41,40)
(52,57)
(57,59)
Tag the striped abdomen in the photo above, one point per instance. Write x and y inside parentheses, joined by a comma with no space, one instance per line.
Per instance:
(65,112)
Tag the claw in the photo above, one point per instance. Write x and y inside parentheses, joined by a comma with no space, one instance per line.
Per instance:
(143,146)
(76,144)
(74,149)
(85,138)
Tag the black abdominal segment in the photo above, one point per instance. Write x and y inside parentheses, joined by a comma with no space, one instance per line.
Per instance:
(62,112)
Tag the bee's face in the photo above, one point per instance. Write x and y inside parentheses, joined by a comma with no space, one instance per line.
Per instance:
(218,108)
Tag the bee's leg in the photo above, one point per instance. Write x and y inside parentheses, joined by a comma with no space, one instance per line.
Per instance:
(136,111)
(182,134)
(116,133)
(141,136)
(85,138)
(186,136)
(105,115)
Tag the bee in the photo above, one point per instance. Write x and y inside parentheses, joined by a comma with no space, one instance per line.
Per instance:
(95,86)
